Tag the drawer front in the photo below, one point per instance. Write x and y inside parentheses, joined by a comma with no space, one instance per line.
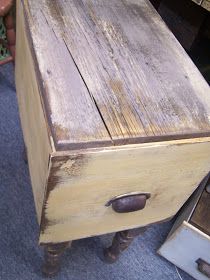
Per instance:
(189,249)
(81,185)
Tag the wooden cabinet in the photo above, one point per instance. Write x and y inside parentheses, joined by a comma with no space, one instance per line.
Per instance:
(188,243)
(110,105)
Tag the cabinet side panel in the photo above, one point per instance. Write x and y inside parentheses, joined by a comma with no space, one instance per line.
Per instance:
(31,113)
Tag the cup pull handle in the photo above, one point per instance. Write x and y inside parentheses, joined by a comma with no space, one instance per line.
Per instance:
(129,203)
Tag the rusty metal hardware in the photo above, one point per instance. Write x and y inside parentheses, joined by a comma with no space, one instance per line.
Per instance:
(203,267)
(129,202)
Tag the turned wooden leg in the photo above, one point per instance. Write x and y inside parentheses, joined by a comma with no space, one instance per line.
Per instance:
(121,242)
(53,254)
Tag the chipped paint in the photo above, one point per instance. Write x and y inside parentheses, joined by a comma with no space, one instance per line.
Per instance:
(67,166)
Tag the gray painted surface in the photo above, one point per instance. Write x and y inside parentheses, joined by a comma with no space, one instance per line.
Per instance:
(185,246)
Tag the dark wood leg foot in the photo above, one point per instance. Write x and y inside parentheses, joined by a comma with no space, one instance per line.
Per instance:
(53,254)
(121,242)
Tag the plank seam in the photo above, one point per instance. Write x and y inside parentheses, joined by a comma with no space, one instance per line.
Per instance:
(91,96)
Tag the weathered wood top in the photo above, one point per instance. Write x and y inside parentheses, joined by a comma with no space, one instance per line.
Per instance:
(111,72)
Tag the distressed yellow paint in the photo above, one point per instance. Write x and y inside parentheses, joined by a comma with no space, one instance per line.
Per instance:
(170,171)
(31,114)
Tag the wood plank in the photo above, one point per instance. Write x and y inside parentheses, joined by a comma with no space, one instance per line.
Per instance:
(142,82)
(82,182)
(71,110)
(34,126)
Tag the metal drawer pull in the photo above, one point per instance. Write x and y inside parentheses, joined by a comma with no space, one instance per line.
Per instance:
(203,267)
(129,202)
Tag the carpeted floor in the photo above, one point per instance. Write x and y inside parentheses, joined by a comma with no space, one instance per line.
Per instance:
(20,257)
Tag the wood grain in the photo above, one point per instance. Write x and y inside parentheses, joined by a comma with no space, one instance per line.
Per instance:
(71,110)
(33,122)
(82,182)
(113,72)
